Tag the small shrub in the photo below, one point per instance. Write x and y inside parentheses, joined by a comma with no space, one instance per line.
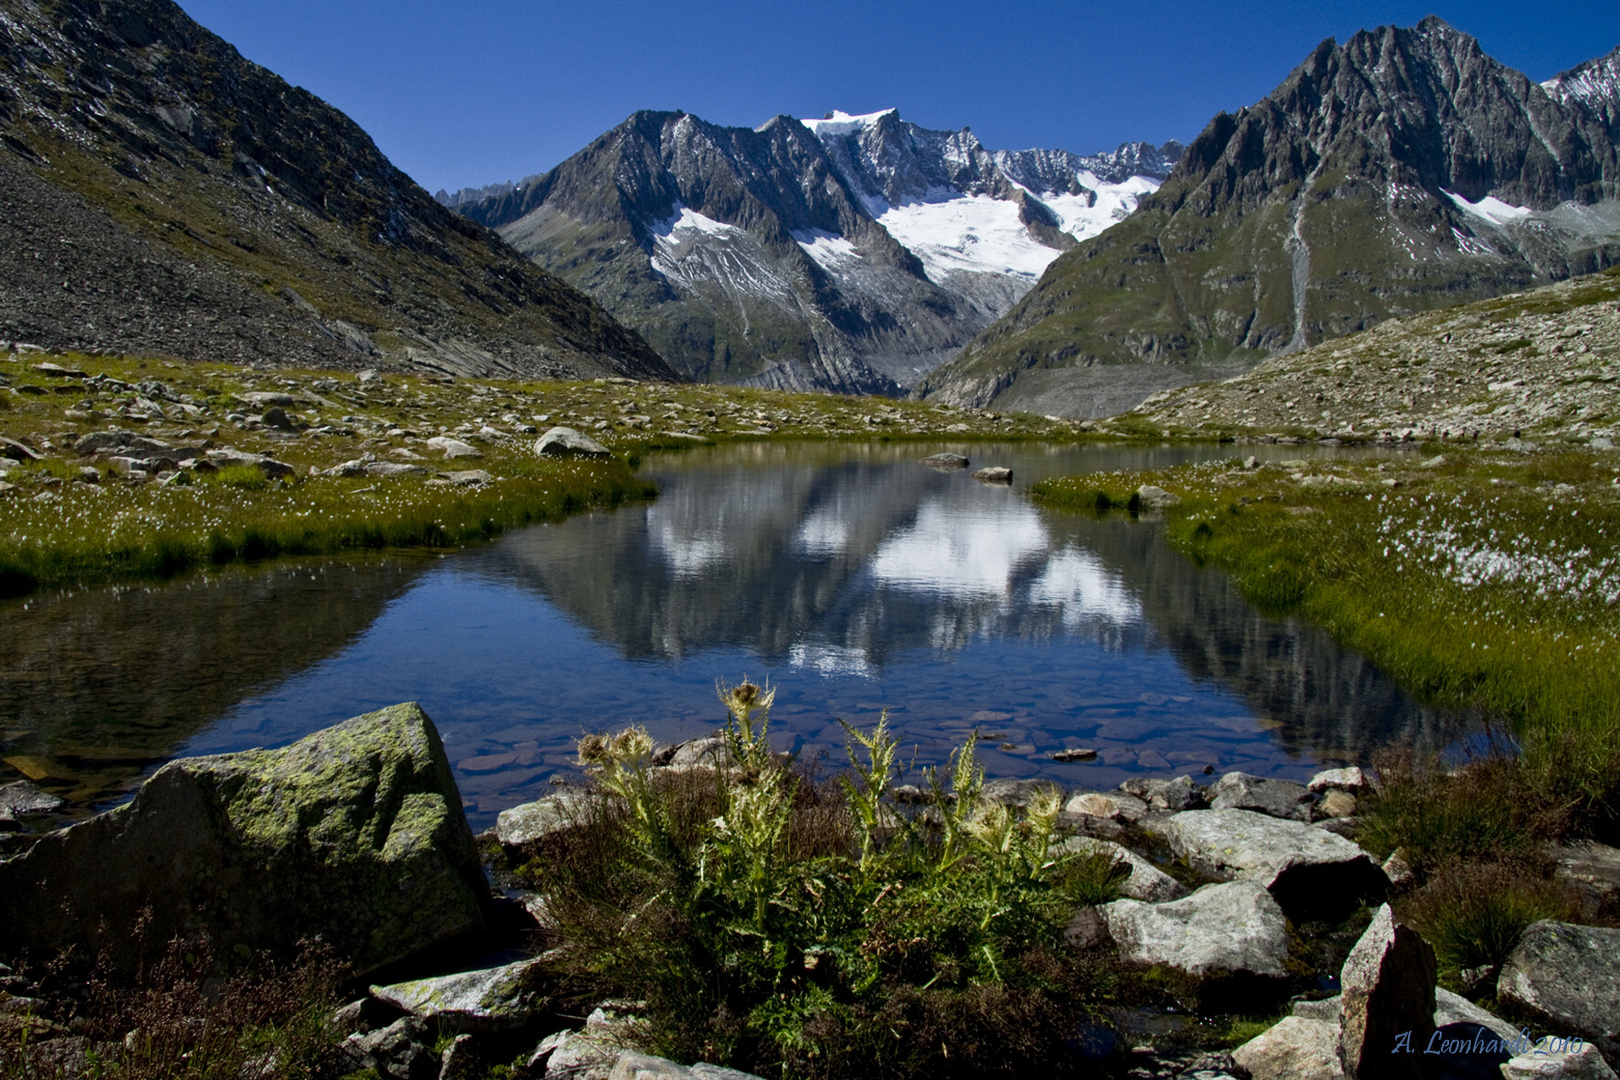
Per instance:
(813,928)
(1474,913)
(246,477)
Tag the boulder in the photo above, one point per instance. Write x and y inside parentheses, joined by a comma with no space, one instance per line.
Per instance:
(354,834)
(534,820)
(1144,882)
(269,399)
(566,442)
(463,478)
(494,999)
(1563,1059)
(633,1065)
(708,752)
(1452,1008)
(592,1053)
(1173,796)
(946,462)
(1116,806)
(20,799)
(1235,928)
(1075,753)
(1592,872)
(1309,870)
(994,474)
(1337,803)
(1570,975)
(1279,798)
(389,469)
(16,451)
(454,448)
(1293,1049)
(1352,780)
(400,1051)
(1148,497)
(1387,997)
(270,467)
(277,417)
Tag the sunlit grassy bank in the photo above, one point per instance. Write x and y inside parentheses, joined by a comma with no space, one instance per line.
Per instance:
(68,516)
(1482,580)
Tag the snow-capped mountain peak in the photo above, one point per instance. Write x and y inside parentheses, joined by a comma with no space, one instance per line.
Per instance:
(838,123)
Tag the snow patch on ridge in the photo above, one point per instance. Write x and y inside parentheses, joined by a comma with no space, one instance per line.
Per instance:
(1490,209)
(684,219)
(830,251)
(1082,218)
(842,123)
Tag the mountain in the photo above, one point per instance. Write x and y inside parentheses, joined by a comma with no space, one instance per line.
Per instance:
(160,194)
(853,253)
(1400,172)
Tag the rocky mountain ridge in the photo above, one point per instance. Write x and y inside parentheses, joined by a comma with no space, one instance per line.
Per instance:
(852,253)
(1402,171)
(162,195)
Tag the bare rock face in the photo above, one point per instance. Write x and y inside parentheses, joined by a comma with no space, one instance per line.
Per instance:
(354,833)
(1386,1015)
(1571,976)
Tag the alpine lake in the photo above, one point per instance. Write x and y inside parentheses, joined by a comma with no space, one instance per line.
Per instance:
(848,576)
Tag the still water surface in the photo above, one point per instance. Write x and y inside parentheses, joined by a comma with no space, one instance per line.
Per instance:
(849,576)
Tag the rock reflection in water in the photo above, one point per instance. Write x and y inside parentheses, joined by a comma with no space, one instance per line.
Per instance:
(100,685)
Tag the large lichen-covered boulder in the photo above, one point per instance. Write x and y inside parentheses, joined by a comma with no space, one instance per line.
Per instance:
(354,834)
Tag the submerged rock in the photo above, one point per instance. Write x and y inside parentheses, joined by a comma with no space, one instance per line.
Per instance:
(946,462)
(994,474)
(354,834)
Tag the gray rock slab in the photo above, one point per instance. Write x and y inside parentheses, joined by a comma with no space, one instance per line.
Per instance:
(945,462)
(1231,928)
(566,442)
(1388,983)
(1145,882)
(1306,868)
(1149,497)
(994,474)
(269,466)
(1279,798)
(1293,1049)
(1352,780)
(354,833)
(1570,975)
(454,448)
(493,999)
(1113,806)
(387,469)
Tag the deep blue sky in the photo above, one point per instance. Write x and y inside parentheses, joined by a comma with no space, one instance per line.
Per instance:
(477,91)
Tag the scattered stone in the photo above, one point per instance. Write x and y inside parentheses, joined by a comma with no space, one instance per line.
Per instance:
(1213,1066)
(1231,928)
(277,418)
(465,478)
(533,820)
(57,371)
(494,999)
(590,1054)
(1173,796)
(1144,881)
(357,467)
(269,399)
(1569,975)
(1352,780)
(1118,806)
(389,469)
(16,451)
(1388,985)
(363,1015)
(706,753)
(354,833)
(1293,1049)
(1564,1059)
(1079,753)
(994,474)
(1278,798)
(1309,870)
(454,448)
(269,466)
(566,442)
(1149,497)
(946,462)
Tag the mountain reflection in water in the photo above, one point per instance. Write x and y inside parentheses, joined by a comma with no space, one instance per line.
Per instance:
(854,579)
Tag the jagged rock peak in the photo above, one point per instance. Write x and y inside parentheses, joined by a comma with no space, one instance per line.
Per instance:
(1594,85)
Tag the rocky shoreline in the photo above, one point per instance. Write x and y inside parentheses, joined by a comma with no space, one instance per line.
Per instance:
(354,835)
